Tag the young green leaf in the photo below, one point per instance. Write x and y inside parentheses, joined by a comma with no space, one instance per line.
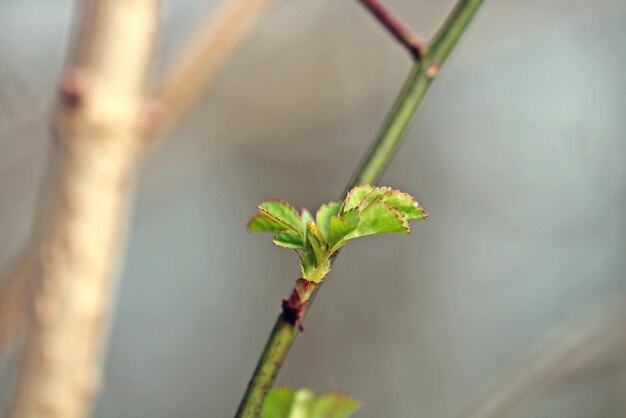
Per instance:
(287,403)
(338,229)
(351,216)
(406,204)
(316,239)
(375,195)
(334,405)
(314,262)
(308,262)
(356,196)
(306,218)
(282,213)
(323,215)
(380,218)
(317,272)
(289,239)
(261,223)
(367,210)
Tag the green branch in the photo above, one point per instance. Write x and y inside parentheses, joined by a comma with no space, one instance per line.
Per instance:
(421,77)
(267,368)
(369,172)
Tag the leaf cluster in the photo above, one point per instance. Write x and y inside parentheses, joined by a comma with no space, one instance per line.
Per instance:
(366,210)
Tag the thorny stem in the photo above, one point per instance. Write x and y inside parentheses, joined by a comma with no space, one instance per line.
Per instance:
(369,171)
(410,41)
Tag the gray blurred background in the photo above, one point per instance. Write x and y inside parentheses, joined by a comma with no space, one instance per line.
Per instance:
(518,155)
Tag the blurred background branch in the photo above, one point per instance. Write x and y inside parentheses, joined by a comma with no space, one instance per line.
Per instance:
(99,134)
(178,92)
(396,28)
(597,345)
(77,247)
(205,55)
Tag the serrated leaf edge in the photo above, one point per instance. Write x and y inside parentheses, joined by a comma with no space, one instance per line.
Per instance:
(276,218)
(350,193)
(283,246)
(252,218)
(386,191)
(283,202)
(400,216)
(415,202)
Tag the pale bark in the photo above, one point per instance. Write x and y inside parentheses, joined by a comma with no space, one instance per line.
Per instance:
(97,143)
(202,60)
(13,296)
(104,119)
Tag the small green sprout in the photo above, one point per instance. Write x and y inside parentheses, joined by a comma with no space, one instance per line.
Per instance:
(289,403)
(367,210)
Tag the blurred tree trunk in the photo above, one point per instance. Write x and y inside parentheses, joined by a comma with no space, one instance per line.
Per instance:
(98,138)
(104,119)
